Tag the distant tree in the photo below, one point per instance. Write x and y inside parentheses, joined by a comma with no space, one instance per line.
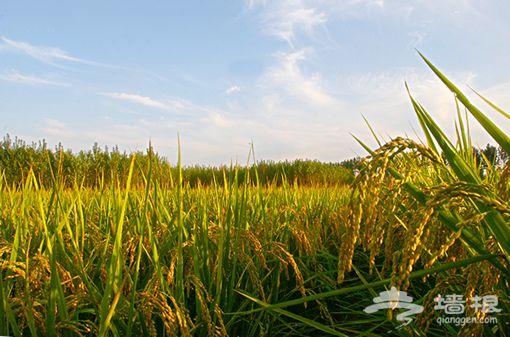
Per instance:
(103,167)
(352,163)
(494,155)
(503,156)
(491,153)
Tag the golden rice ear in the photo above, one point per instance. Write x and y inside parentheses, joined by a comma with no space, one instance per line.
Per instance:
(289,258)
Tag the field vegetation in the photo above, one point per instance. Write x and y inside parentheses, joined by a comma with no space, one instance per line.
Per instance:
(102,166)
(104,243)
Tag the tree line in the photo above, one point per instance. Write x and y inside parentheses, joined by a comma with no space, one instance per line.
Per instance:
(100,167)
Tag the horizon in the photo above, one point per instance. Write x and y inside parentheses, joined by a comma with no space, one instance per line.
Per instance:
(293,78)
(43,144)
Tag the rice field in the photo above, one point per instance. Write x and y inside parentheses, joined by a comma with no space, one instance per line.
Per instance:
(242,257)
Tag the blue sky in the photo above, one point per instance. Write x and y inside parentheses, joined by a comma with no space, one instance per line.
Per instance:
(294,77)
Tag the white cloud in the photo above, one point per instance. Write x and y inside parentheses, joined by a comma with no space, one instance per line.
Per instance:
(49,55)
(136,98)
(16,77)
(288,77)
(55,128)
(292,20)
(177,106)
(286,19)
(232,90)
(218,120)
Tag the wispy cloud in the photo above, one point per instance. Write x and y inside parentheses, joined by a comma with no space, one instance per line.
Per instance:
(232,90)
(50,55)
(286,19)
(175,105)
(138,99)
(292,20)
(16,77)
(55,128)
(287,75)
(218,120)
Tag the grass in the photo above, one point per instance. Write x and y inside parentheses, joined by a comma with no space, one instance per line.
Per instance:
(242,255)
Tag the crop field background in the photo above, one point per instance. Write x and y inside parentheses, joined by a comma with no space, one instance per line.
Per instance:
(108,244)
